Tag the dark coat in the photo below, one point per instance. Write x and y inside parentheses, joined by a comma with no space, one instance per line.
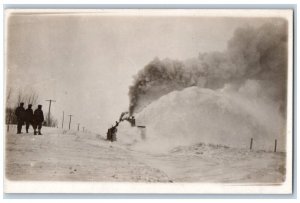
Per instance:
(20,113)
(38,116)
(29,115)
(108,137)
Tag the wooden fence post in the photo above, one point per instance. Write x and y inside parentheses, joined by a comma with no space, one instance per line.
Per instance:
(275,148)
(251,143)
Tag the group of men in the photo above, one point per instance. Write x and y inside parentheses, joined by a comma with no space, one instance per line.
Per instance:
(29,117)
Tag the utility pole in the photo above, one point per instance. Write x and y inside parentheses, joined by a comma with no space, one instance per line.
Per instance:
(62,122)
(70,121)
(49,100)
(78,124)
(82,129)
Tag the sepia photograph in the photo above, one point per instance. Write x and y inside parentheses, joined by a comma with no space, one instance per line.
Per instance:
(148,101)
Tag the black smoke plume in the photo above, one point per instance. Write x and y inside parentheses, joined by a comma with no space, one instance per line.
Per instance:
(258,54)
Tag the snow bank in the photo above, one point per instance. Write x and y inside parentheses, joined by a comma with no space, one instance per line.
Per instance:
(196,115)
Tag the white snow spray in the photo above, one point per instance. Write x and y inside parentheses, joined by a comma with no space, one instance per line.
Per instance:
(199,115)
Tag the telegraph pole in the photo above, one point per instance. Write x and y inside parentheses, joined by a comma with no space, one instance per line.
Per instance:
(49,100)
(70,121)
(78,124)
(62,123)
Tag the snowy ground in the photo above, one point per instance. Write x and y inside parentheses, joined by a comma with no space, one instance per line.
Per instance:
(63,155)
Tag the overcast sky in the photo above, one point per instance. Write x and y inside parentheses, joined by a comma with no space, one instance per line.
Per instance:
(86,63)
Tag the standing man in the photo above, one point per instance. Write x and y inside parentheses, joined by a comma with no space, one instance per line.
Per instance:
(108,137)
(38,117)
(28,117)
(132,121)
(20,113)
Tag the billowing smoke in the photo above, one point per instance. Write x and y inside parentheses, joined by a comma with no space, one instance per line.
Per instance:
(252,54)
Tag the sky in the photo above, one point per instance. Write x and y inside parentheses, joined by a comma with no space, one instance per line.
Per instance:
(87,62)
